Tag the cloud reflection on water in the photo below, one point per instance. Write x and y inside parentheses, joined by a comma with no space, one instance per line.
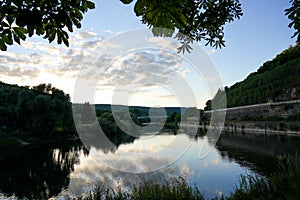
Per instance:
(212,174)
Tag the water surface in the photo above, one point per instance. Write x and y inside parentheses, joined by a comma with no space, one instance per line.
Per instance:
(41,172)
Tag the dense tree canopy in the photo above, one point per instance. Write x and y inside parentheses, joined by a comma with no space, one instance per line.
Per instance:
(195,20)
(42,110)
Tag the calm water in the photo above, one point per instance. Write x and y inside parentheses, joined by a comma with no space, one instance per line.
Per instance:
(62,172)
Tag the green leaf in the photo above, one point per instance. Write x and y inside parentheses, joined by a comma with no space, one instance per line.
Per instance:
(3,47)
(17,39)
(52,36)
(139,8)
(7,39)
(39,31)
(65,34)
(66,41)
(126,1)
(30,30)
(78,14)
(59,37)
(4,24)
(90,4)
(76,22)
(69,24)
(10,20)
(20,30)
(22,36)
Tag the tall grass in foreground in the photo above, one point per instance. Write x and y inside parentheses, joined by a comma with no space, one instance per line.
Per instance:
(149,190)
(179,190)
(284,184)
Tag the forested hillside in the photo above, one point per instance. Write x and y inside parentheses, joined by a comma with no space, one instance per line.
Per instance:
(275,80)
(40,110)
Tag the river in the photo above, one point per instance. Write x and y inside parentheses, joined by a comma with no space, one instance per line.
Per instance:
(61,172)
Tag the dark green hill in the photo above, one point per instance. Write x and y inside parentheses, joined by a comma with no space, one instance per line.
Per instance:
(275,80)
(143,109)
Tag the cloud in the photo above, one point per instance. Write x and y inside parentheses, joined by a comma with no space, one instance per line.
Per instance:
(30,73)
(27,44)
(186,172)
(92,171)
(84,35)
(108,31)
(147,145)
(163,42)
(142,67)
(12,59)
(212,52)
(48,49)
(18,72)
(95,60)
(4,69)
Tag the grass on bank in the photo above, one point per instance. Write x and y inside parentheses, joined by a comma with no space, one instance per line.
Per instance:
(284,184)
(148,190)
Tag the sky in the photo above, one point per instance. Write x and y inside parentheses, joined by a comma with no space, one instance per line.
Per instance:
(96,68)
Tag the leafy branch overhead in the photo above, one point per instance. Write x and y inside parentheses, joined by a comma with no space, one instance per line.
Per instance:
(293,13)
(194,20)
(22,18)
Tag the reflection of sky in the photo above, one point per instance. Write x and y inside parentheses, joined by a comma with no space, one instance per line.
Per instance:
(212,174)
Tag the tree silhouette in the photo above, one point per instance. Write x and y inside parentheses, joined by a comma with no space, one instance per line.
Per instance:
(40,172)
(42,110)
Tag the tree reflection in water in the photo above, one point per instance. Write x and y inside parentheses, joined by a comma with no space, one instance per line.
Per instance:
(256,151)
(38,172)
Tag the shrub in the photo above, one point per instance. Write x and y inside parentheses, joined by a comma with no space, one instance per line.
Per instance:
(178,190)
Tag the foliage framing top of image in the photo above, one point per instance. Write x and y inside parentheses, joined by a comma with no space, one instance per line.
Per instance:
(22,18)
(195,20)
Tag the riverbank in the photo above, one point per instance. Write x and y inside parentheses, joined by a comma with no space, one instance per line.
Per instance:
(13,143)
(15,139)
(264,127)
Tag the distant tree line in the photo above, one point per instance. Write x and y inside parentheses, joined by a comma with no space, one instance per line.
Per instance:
(275,80)
(41,110)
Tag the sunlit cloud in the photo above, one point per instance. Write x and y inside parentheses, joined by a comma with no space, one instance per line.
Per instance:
(85,35)
(163,42)
(88,59)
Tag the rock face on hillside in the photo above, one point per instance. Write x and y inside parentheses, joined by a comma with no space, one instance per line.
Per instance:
(263,118)
(263,112)
(288,94)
